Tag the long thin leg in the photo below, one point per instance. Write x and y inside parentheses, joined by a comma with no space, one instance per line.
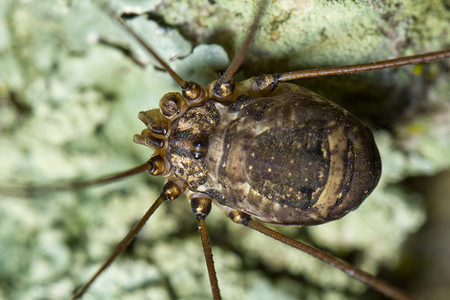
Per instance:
(266,83)
(201,208)
(124,50)
(377,284)
(104,5)
(240,55)
(224,86)
(170,192)
(385,64)
(15,191)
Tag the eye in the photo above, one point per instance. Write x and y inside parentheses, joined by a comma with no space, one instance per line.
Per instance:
(199,148)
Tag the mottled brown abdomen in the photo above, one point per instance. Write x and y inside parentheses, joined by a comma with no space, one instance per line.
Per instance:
(296,159)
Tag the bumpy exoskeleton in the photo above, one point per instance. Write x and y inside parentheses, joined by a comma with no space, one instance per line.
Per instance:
(280,153)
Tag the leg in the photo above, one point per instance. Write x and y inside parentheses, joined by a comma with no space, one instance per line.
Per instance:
(201,208)
(123,49)
(377,284)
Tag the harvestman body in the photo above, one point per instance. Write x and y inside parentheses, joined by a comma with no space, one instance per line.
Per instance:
(260,148)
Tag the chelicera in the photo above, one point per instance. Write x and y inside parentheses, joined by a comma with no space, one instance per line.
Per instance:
(180,154)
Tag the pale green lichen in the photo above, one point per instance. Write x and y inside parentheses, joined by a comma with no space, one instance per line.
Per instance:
(79,102)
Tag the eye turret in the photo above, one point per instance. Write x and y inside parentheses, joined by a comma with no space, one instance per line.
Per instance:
(199,148)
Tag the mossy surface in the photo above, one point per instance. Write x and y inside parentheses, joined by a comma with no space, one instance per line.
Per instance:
(68,109)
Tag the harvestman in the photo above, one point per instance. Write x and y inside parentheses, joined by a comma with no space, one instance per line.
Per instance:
(173,106)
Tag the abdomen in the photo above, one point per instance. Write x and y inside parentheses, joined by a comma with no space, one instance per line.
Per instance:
(296,159)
